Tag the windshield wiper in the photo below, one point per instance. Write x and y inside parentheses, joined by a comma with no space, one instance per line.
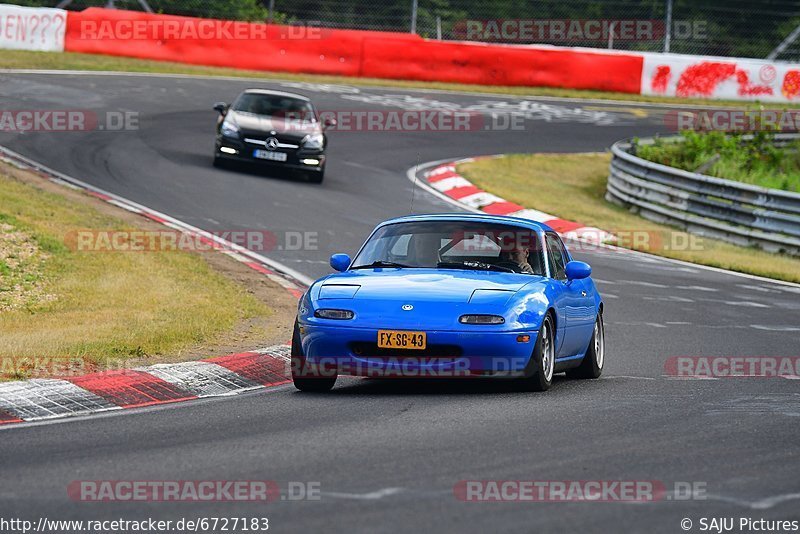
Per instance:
(473,265)
(381,263)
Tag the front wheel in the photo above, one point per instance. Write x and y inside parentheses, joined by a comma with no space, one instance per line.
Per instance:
(592,364)
(304,376)
(539,371)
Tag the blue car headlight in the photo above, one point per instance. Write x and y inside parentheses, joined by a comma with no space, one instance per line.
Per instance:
(229,129)
(481,319)
(330,313)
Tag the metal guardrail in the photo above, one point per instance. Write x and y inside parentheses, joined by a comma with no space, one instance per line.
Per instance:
(740,213)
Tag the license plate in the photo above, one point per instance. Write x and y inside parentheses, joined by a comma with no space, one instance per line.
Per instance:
(268,154)
(401,339)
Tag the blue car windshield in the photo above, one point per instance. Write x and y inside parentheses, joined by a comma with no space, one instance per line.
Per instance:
(454,245)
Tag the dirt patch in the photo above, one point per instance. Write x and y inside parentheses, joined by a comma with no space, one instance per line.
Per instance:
(21,260)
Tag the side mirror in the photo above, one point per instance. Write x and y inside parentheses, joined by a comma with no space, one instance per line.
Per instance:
(328,122)
(340,262)
(577,270)
(221,107)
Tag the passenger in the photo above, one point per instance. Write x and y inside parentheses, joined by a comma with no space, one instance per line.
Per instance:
(423,250)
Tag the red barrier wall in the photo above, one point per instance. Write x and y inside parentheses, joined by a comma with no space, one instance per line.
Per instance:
(98,31)
(351,53)
(491,64)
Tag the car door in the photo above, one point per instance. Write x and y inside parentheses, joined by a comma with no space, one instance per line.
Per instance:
(571,301)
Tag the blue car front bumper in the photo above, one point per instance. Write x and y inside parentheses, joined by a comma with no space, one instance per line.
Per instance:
(477,352)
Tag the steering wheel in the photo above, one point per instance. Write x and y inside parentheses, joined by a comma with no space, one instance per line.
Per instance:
(507,264)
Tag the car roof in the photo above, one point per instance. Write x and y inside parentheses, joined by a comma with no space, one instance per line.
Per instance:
(275,93)
(472,217)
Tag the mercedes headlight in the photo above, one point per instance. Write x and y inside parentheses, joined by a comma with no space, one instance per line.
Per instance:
(313,141)
(229,129)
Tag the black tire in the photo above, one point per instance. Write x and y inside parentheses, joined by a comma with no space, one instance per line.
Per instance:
(315,177)
(218,162)
(592,364)
(304,377)
(537,377)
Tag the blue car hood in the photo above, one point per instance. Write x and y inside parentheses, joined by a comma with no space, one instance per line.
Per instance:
(425,284)
(439,297)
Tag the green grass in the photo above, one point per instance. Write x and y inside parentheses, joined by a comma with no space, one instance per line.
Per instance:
(21,260)
(753,161)
(572,186)
(106,307)
(20,59)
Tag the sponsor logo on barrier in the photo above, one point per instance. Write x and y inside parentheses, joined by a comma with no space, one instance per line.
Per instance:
(576,30)
(196,30)
(733,367)
(767,74)
(729,78)
(23,28)
(66,120)
(734,120)
(632,491)
(174,240)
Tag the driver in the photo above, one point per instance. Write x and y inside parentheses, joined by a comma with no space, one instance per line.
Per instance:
(519,255)
(516,252)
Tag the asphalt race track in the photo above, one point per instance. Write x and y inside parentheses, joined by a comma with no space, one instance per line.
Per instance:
(388,455)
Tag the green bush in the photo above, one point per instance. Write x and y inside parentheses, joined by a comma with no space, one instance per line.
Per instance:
(754,160)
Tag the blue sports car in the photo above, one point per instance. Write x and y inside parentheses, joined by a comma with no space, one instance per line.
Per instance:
(452,295)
